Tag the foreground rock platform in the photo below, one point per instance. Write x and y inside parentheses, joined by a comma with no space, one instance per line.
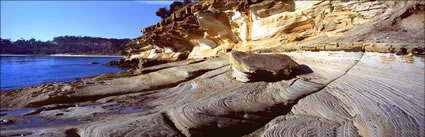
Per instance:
(253,67)
(360,63)
(341,94)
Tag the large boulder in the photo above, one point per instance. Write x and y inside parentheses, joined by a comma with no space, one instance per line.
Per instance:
(262,67)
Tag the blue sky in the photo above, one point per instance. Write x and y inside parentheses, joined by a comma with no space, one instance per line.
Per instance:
(44,20)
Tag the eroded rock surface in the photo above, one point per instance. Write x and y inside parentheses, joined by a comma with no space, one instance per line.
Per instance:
(250,67)
(181,81)
(208,28)
(301,125)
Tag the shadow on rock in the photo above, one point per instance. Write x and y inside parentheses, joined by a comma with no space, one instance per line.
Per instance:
(304,69)
(250,67)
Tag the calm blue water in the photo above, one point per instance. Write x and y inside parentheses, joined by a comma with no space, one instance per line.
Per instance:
(21,71)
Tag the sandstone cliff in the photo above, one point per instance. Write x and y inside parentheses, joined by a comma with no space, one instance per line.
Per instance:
(360,73)
(210,28)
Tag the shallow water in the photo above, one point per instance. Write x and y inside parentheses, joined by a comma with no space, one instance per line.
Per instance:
(131,109)
(18,112)
(21,71)
(36,122)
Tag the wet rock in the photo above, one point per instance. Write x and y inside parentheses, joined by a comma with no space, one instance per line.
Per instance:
(403,51)
(137,63)
(92,63)
(418,51)
(6,121)
(48,107)
(133,63)
(267,67)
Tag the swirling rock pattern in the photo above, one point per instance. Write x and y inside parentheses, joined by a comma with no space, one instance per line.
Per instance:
(147,126)
(229,103)
(337,94)
(382,95)
(300,126)
(85,90)
(343,89)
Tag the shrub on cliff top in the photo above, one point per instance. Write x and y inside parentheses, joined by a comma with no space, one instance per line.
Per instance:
(176,5)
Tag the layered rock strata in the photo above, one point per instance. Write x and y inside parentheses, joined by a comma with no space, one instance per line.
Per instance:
(344,86)
(339,94)
(208,28)
(366,101)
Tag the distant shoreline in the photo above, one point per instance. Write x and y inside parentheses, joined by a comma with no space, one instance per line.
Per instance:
(61,55)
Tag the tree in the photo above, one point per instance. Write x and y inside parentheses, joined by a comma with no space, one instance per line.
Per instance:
(5,45)
(162,12)
(176,5)
(64,44)
(185,2)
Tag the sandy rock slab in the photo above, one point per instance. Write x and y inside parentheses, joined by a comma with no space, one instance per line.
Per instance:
(154,125)
(222,106)
(300,125)
(338,94)
(214,104)
(211,104)
(268,67)
(158,77)
(382,95)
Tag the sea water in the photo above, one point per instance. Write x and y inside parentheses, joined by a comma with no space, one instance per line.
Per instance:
(21,71)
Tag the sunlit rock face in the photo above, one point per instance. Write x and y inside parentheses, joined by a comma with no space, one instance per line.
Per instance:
(336,94)
(210,28)
(360,73)
(356,99)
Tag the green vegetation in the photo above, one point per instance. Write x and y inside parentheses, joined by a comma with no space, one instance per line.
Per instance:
(164,13)
(64,45)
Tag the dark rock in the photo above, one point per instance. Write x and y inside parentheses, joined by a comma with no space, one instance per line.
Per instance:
(72,133)
(264,67)
(5,121)
(403,51)
(418,51)
(137,63)
(122,63)
(151,62)
(91,63)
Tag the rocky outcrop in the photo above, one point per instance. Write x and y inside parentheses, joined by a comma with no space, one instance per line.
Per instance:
(208,28)
(343,87)
(269,67)
(337,94)
(367,101)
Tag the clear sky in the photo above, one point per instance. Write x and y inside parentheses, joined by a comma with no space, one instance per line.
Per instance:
(44,20)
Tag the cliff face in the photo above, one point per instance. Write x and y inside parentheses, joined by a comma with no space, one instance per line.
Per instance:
(301,93)
(211,28)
